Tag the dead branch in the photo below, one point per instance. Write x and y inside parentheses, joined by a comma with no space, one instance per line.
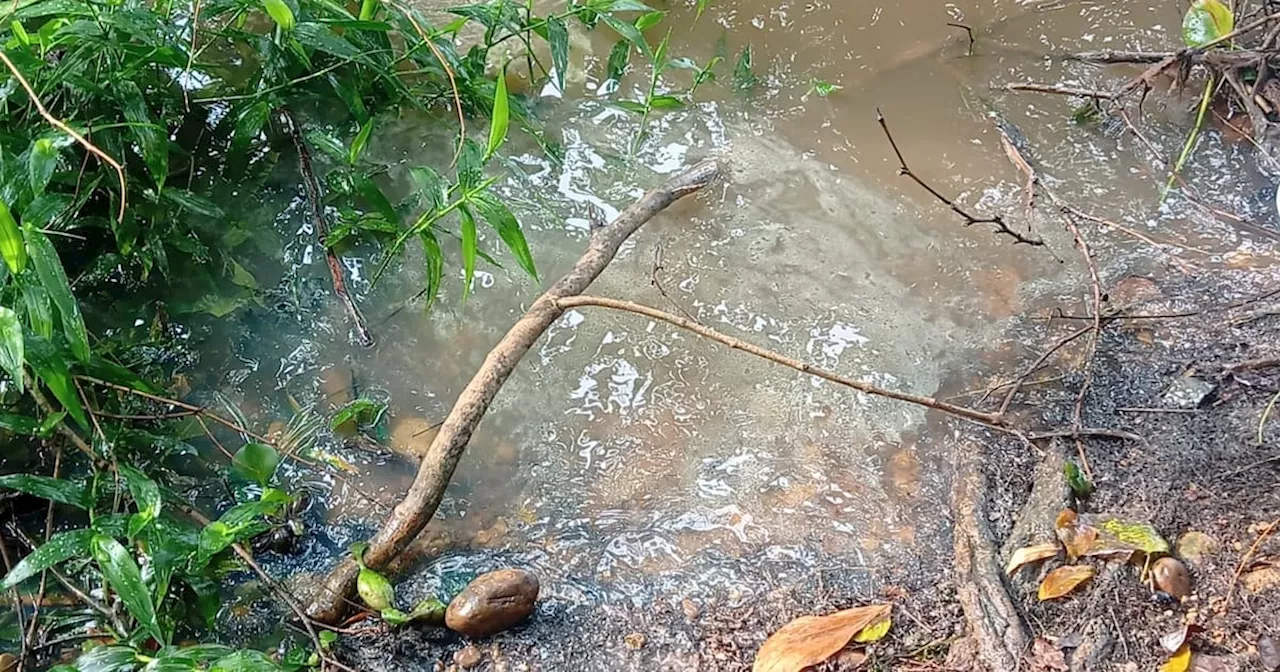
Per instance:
(968,31)
(1058,90)
(419,505)
(803,367)
(322,229)
(970,220)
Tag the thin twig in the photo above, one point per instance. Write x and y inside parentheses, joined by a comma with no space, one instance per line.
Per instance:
(657,283)
(967,30)
(1244,561)
(196,410)
(1266,413)
(62,126)
(1037,87)
(44,576)
(1096,285)
(191,55)
(322,229)
(997,220)
(778,358)
(448,71)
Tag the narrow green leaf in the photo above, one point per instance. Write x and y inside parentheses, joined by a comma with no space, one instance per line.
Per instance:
(41,164)
(280,12)
(107,659)
(54,280)
(256,462)
(500,118)
(11,346)
(51,368)
(1206,21)
(58,490)
(187,658)
(430,186)
(469,248)
(434,259)
(193,202)
(60,548)
(628,32)
(123,575)
(249,124)
(649,20)
(558,41)
(246,661)
(19,424)
(630,106)
(11,244)
(500,218)
(702,7)
(39,309)
(470,168)
(146,494)
(665,103)
(618,58)
(361,140)
(152,138)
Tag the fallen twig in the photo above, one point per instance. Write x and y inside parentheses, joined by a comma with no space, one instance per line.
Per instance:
(1244,561)
(1036,87)
(997,220)
(322,229)
(968,31)
(436,469)
(777,358)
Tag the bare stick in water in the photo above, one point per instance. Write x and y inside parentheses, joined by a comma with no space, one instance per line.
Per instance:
(419,505)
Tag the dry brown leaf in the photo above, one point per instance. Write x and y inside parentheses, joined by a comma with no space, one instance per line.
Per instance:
(1029,554)
(810,640)
(1063,580)
(1045,656)
(1173,641)
(1180,661)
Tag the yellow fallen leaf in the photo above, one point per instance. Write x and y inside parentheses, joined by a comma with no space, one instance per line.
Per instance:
(810,640)
(1063,580)
(1029,554)
(1120,534)
(1178,662)
(875,631)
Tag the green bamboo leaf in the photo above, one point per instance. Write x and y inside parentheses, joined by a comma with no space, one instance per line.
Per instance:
(146,494)
(558,40)
(649,20)
(702,7)
(256,462)
(41,164)
(54,280)
(280,12)
(249,124)
(500,218)
(39,309)
(12,246)
(107,659)
(434,259)
(430,186)
(362,139)
(193,202)
(501,116)
(664,102)
(123,575)
(186,658)
(60,548)
(11,346)
(151,137)
(57,490)
(618,58)
(469,249)
(628,32)
(51,368)
(247,661)
(630,106)
(19,424)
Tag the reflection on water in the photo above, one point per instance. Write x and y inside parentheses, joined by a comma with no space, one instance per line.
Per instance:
(629,458)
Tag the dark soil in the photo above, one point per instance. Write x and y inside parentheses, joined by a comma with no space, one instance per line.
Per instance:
(1200,470)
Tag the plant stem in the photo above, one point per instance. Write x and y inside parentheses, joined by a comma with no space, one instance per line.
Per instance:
(1191,139)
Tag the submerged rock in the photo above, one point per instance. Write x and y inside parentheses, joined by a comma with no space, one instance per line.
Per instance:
(492,603)
(411,436)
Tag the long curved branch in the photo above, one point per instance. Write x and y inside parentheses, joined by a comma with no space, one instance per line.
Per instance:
(994,419)
(436,470)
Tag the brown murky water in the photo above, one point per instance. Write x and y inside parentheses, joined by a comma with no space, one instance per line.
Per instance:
(630,459)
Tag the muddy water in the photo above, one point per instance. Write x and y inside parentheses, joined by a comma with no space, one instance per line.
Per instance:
(626,459)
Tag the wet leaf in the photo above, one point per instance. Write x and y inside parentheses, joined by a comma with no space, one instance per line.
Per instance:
(824,88)
(648,20)
(247,661)
(107,659)
(41,164)
(429,611)
(11,346)
(1206,21)
(500,218)
(145,493)
(51,368)
(193,202)
(358,412)
(665,103)
(375,590)
(60,548)
(53,278)
(249,124)
(1179,661)
(618,58)
(123,575)
(58,490)
(394,616)
(1063,580)
(280,12)
(558,41)
(256,462)
(810,640)
(470,248)
(1029,554)
(501,116)
(433,257)
(360,142)
(151,137)
(874,632)
(12,247)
